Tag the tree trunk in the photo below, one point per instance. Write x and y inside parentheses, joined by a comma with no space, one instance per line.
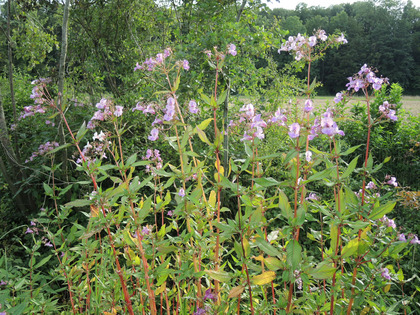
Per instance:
(61,71)
(14,172)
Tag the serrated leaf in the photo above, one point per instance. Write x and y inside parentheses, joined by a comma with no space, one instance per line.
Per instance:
(236,291)
(294,254)
(350,248)
(350,168)
(380,211)
(266,247)
(284,205)
(221,276)
(264,278)
(202,136)
(266,181)
(324,270)
(78,203)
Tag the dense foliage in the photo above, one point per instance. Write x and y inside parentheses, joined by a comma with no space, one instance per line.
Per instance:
(170,159)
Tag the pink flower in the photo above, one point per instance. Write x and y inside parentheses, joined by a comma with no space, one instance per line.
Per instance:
(385,273)
(308,156)
(415,240)
(185,65)
(118,110)
(309,105)
(154,134)
(181,192)
(193,107)
(392,182)
(232,50)
(294,130)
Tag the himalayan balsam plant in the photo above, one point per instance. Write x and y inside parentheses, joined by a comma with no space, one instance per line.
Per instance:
(190,235)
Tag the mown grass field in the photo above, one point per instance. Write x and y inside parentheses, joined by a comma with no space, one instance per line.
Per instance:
(410,103)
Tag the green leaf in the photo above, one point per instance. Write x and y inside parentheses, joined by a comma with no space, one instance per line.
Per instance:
(221,276)
(42,262)
(206,99)
(81,132)
(266,181)
(351,150)
(320,175)
(324,270)
(350,168)
(48,190)
(380,211)
(222,97)
(204,124)
(294,254)
(284,205)
(266,247)
(350,248)
(202,136)
(61,147)
(333,235)
(131,160)
(78,203)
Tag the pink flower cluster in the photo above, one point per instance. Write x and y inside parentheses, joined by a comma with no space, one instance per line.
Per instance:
(31,111)
(92,151)
(364,78)
(38,94)
(253,123)
(151,63)
(386,110)
(155,158)
(106,110)
(43,149)
(163,114)
(303,46)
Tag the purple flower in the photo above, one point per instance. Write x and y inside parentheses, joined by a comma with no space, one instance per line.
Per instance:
(159,58)
(342,39)
(118,110)
(391,115)
(371,185)
(309,105)
(232,50)
(294,130)
(249,110)
(137,67)
(322,35)
(181,192)
(28,231)
(392,182)
(385,273)
(145,230)
(193,107)
(338,97)
(170,213)
(401,237)
(167,52)
(200,311)
(98,115)
(185,65)
(415,240)
(246,137)
(154,134)
(2,282)
(48,244)
(312,41)
(208,295)
(308,156)
(312,196)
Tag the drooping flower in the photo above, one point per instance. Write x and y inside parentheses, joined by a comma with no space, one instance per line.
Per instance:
(154,134)
(145,230)
(415,240)
(309,106)
(208,295)
(385,273)
(401,237)
(392,182)
(294,130)
(232,50)
(186,65)
(338,97)
(181,192)
(193,107)
(371,185)
(312,196)
(308,156)
(101,136)
(118,111)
